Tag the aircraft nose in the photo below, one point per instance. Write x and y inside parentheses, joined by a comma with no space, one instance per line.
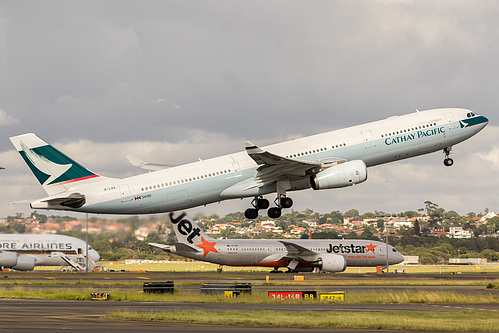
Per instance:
(395,257)
(94,255)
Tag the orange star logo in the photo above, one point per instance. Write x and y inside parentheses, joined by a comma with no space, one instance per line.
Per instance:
(207,246)
(370,247)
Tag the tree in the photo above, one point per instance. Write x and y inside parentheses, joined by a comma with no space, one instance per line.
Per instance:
(417,229)
(430,206)
(337,217)
(368,215)
(19,227)
(409,214)
(436,216)
(351,213)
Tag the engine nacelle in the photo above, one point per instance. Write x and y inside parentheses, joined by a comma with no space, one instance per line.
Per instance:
(16,261)
(332,263)
(24,263)
(340,175)
(8,259)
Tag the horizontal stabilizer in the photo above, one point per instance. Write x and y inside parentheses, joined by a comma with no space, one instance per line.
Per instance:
(73,200)
(161,246)
(186,247)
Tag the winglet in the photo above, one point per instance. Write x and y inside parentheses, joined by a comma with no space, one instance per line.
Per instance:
(252,148)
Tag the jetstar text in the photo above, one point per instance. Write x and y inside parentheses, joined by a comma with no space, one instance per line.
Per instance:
(346,248)
(412,136)
(185,227)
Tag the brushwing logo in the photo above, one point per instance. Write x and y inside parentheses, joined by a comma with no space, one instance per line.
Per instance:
(52,167)
(44,169)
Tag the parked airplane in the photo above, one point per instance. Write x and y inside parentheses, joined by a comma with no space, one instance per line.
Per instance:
(298,255)
(25,251)
(325,161)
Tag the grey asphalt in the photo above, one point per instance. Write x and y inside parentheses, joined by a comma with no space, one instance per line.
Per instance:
(89,316)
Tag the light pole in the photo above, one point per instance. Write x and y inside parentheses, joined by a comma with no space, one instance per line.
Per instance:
(86,242)
(386,249)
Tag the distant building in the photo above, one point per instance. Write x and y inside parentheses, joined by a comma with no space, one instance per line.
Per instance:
(458,232)
(487,216)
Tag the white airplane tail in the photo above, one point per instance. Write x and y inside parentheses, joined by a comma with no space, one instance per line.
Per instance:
(55,171)
(187,231)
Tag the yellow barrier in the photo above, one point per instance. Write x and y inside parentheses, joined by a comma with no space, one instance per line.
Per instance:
(333,296)
(299,278)
(231,293)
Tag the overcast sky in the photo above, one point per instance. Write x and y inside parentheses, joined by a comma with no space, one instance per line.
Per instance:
(174,81)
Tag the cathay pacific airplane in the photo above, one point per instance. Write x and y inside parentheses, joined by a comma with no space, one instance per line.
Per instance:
(23,252)
(298,255)
(324,161)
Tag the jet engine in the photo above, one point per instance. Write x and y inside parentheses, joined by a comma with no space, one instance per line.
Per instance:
(8,259)
(332,263)
(340,175)
(16,261)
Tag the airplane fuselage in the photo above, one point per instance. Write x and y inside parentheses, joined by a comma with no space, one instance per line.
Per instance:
(41,250)
(238,176)
(254,252)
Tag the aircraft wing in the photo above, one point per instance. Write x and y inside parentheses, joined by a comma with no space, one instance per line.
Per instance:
(135,161)
(298,253)
(274,167)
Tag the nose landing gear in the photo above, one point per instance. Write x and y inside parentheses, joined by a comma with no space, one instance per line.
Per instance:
(448,161)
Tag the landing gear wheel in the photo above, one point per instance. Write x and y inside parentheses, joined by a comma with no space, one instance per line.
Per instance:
(286,202)
(262,204)
(251,213)
(274,212)
(448,161)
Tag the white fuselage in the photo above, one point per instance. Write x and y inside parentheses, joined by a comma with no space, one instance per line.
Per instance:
(233,176)
(46,250)
(270,253)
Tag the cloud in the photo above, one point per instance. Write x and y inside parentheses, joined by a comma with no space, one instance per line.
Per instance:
(6,119)
(170,82)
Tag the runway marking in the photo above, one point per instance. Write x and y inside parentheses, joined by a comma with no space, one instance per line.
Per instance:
(143,277)
(74,316)
(50,278)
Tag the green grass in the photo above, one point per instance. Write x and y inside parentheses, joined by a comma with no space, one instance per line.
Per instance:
(469,321)
(255,297)
(197,266)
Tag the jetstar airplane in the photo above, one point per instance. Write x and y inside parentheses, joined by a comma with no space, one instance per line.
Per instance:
(324,161)
(298,255)
(25,251)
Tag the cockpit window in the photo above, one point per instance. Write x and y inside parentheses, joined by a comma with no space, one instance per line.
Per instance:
(471,114)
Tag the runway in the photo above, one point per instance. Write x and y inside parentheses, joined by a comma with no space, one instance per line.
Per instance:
(85,316)
(89,316)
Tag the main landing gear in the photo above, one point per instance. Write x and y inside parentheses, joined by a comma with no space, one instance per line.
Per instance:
(448,161)
(258,203)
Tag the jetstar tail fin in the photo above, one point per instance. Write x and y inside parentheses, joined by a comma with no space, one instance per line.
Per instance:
(186,230)
(53,169)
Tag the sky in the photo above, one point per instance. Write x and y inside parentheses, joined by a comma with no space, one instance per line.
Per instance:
(174,81)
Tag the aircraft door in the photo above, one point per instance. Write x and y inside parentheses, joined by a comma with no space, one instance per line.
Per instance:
(237,168)
(125,193)
(451,121)
(368,139)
